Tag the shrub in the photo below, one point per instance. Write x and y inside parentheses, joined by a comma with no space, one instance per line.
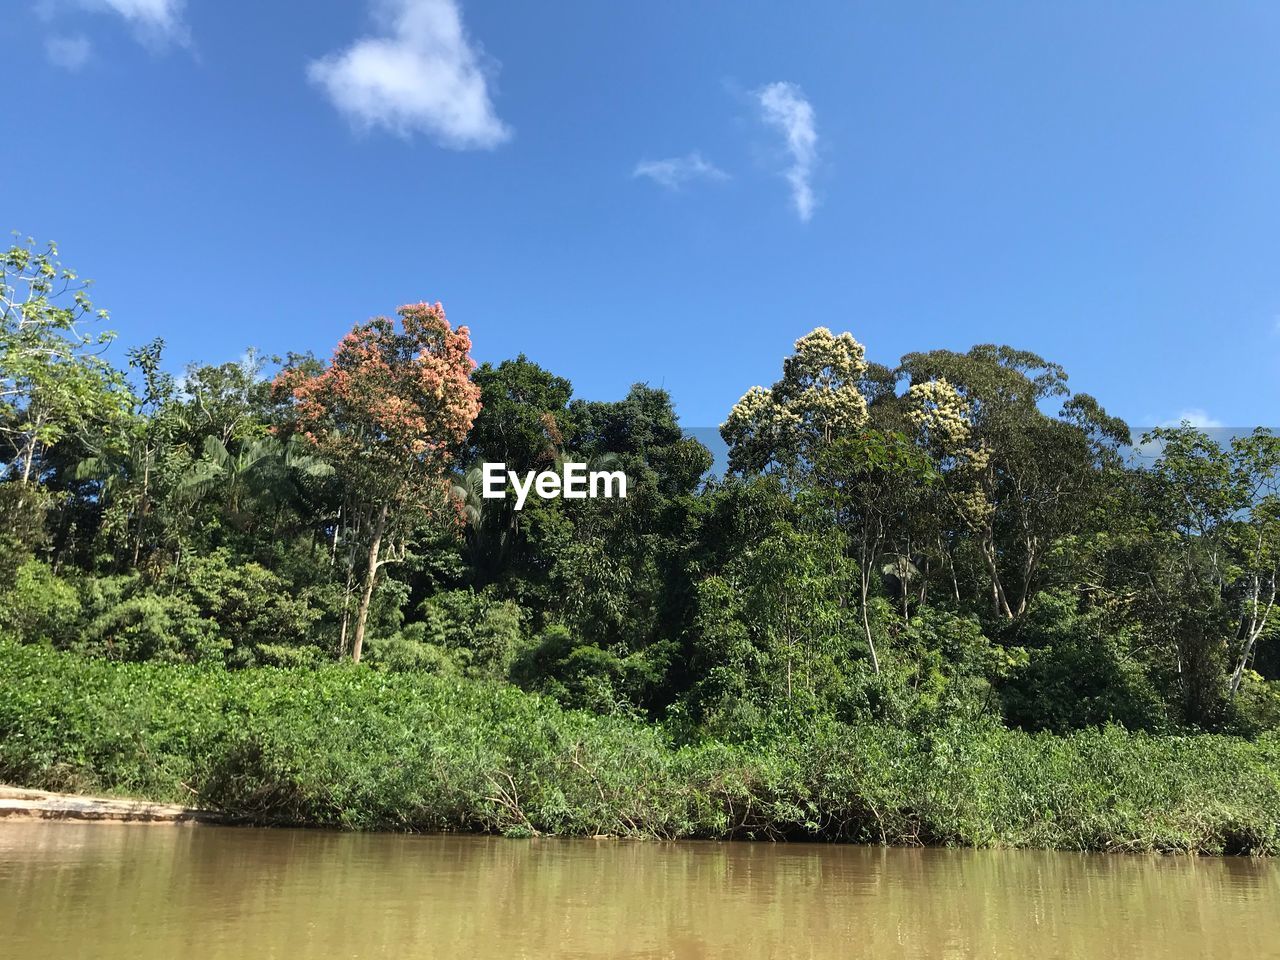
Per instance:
(253,608)
(355,748)
(23,533)
(1257,705)
(1078,674)
(484,633)
(152,627)
(40,607)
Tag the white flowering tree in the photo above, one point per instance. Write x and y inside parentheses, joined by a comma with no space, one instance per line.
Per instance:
(818,399)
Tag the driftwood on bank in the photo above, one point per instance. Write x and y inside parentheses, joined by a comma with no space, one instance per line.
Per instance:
(22,804)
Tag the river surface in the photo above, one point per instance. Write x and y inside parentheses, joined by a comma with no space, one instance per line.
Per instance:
(190,893)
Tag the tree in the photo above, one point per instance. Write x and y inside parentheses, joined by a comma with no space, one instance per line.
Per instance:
(230,401)
(818,399)
(260,474)
(125,456)
(1215,547)
(390,411)
(522,423)
(53,380)
(1017,479)
(523,417)
(1256,535)
(870,483)
(771,621)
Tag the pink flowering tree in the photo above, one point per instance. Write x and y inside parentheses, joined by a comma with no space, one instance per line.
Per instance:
(389,411)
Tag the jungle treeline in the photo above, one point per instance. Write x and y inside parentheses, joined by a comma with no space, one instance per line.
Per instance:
(957,541)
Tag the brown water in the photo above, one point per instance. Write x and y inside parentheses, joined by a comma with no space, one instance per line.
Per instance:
(182,893)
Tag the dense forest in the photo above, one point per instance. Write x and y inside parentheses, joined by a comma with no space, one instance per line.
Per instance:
(957,541)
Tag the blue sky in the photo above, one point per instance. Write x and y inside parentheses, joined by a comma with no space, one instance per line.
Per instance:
(673,192)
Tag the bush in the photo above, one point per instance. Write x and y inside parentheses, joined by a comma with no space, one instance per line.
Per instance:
(349,747)
(460,632)
(151,626)
(253,608)
(408,651)
(40,607)
(482,632)
(1257,705)
(23,531)
(937,665)
(1078,674)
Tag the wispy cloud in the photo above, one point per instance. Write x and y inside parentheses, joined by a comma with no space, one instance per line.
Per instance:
(784,107)
(156,21)
(422,75)
(675,172)
(70,53)
(1196,418)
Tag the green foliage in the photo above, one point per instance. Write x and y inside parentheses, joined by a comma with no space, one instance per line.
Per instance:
(1078,674)
(583,674)
(256,479)
(824,644)
(253,608)
(460,632)
(53,380)
(23,512)
(149,626)
(523,417)
(946,663)
(1257,705)
(39,607)
(365,749)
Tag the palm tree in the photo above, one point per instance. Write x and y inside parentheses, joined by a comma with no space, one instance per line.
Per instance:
(261,471)
(125,468)
(490,525)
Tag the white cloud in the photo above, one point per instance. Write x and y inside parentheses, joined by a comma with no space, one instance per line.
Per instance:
(1196,418)
(424,75)
(674,172)
(156,21)
(70,53)
(785,108)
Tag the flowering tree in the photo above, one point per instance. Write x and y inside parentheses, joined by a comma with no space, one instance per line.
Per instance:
(389,412)
(817,400)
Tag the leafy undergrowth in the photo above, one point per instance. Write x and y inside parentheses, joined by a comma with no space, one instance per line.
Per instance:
(359,749)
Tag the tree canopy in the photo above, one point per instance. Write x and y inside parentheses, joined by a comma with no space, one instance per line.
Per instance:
(956,534)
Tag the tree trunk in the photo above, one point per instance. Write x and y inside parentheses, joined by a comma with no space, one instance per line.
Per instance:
(998,599)
(1029,567)
(864,586)
(142,509)
(371,575)
(28,456)
(1254,630)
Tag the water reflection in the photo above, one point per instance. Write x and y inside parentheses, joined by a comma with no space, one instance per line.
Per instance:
(103,891)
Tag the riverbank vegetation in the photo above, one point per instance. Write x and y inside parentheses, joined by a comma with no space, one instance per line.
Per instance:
(354,748)
(948,600)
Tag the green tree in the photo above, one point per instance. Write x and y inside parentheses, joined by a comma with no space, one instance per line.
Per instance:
(1017,480)
(53,380)
(1213,541)
(127,453)
(870,483)
(255,479)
